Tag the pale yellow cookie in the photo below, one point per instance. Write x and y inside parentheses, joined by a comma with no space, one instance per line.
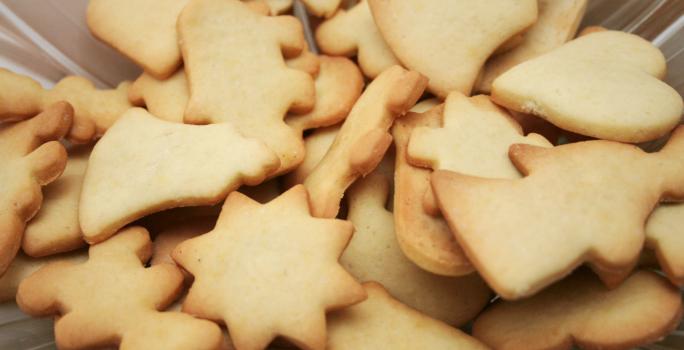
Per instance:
(276,7)
(30,157)
(581,311)
(373,254)
(604,85)
(94,110)
(425,239)
(353,32)
(473,140)
(382,322)
(316,145)
(579,202)
(322,8)
(23,266)
(56,229)
(307,61)
(165,99)
(144,165)
(142,30)
(168,98)
(363,138)
(665,235)
(113,300)
(338,85)
(236,73)
(557,23)
(269,270)
(449,40)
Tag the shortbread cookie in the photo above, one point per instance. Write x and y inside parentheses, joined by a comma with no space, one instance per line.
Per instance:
(581,311)
(382,322)
(557,23)
(665,235)
(145,165)
(56,229)
(373,254)
(23,266)
(425,105)
(425,239)
(279,6)
(449,40)
(353,32)
(168,98)
(31,158)
(236,72)
(590,30)
(165,99)
(94,110)
(112,300)
(269,270)
(322,8)
(604,85)
(142,30)
(338,85)
(473,140)
(363,138)
(580,202)
(307,61)
(316,145)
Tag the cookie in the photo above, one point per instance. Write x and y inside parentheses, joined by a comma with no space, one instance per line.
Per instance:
(425,239)
(363,138)
(307,61)
(581,311)
(373,254)
(168,98)
(316,145)
(144,165)
(449,40)
(142,30)
(604,85)
(279,6)
(112,300)
(338,85)
(269,270)
(236,73)
(473,140)
(353,32)
(31,157)
(165,99)
(55,228)
(94,110)
(557,23)
(322,8)
(580,202)
(665,235)
(23,266)
(382,322)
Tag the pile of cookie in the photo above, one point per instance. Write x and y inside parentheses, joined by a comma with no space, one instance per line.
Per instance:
(442,164)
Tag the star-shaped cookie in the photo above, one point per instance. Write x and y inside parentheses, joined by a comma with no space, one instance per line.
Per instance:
(270,270)
(112,299)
